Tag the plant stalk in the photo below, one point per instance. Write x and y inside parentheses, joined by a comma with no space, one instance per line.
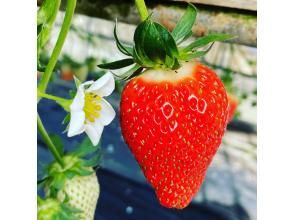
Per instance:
(51,97)
(141,6)
(70,8)
(48,141)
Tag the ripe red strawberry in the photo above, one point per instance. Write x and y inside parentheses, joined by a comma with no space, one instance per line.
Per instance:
(232,106)
(173,112)
(173,122)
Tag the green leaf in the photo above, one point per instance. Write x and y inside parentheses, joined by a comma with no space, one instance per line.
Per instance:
(176,64)
(168,40)
(128,73)
(193,55)
(70,174)
(185,24)
(45,21)
(203,41)
(47,12)
(153,43)
(138,52)
(58,181)
(136,73)
(81,171)
(41,183)
(169,61)
(70,211)
(85,148)
(117,64)
(53,209)
(58,143)
(92,162)
(124,49)
(142,59)
(185,38)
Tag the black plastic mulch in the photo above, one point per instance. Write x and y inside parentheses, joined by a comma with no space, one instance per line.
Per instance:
(122,198)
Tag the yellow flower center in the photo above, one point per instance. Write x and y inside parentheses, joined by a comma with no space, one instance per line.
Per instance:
(92,106)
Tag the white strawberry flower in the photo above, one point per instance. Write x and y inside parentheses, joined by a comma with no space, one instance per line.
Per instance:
(89,112)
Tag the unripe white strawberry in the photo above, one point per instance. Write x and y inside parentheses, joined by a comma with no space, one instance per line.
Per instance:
(82,193)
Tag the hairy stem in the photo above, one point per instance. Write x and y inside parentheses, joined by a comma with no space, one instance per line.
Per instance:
(70,8)
(141,6)
(48,141)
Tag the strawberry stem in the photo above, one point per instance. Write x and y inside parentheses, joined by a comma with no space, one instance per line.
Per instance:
(141,6)
(48,141)
(70,8)
(65,103)
(51,97)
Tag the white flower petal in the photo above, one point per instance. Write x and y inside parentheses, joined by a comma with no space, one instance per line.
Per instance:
(76,124)
(78,101)
(94,131)
(104,86)
(107,112)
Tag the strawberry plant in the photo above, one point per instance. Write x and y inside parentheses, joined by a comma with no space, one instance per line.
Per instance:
(173,113)
(70,183)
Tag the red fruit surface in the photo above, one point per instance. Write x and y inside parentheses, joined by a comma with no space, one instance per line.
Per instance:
(173,123)
(232,106)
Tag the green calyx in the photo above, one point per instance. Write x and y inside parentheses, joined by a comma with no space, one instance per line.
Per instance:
(52,209)
(74,164)
(157,48)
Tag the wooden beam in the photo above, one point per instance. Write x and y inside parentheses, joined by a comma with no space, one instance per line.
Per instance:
(239,4)
(241,24)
